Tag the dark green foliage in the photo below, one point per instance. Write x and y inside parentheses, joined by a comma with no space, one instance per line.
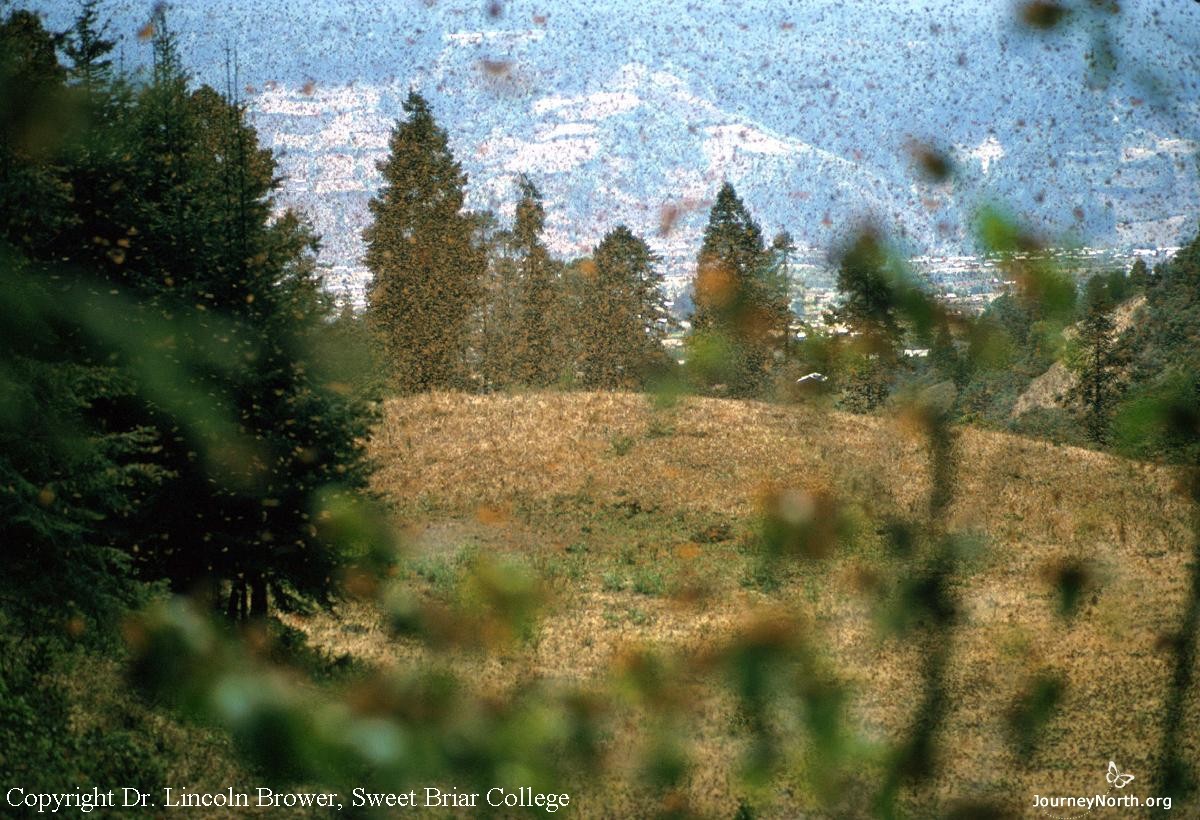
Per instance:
(865,282)
(1160,418)
(423,257)
(881,302)
(1056,424)
(43,749)
(419,726)
(166,411)
(1045,292)
(778,286)
(1157,417)
(163,410)
(623,318)
(37,108)
(204,379)
(215,253)
(1020,337)
(1139,275)
(1007,349)
(69,481)
(352,353)
(865,381)
(1096,388)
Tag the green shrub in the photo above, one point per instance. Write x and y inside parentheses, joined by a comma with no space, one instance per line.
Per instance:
(648,582)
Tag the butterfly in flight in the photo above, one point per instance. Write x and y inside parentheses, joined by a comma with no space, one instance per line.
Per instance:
(1115,777)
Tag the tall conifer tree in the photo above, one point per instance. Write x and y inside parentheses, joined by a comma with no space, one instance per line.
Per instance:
(257,428)
(420,249)
(735,302)
(1096,390)
(622,320)
(65,480)
(88,48)
(534,348)
(866,282)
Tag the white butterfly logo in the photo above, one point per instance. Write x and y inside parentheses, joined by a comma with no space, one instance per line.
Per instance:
(1115,777)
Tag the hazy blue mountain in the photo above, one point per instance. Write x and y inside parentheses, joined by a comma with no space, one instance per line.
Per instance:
(634,112)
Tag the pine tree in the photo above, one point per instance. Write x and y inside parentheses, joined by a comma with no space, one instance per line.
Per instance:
(1096,390)
(88,48)
(426,267)
(736,306)
(778,282)
(535,363)
(870,310)
(33,194)
(254,427)
(623,315)
(67,477)
(1139,274)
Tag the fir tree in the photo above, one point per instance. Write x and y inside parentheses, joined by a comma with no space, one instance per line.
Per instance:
(623,316)
(104,157)
(869,308)
(736,304)
(254,427)
(535,364)
(869,305)
(88,48)
(421,253)
(35,104)
(778,282)
(1096,390)
(1139,274)
(299,428)
(68,478)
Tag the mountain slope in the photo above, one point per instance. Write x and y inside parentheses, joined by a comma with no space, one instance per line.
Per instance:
(644,147)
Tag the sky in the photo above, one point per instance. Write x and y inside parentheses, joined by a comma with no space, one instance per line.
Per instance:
(624,111)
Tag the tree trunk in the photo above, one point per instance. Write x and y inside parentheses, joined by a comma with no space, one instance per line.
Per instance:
(214,594)
(235,610)
(258,596)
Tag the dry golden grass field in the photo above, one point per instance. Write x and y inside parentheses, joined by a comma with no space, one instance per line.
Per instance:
(641,521)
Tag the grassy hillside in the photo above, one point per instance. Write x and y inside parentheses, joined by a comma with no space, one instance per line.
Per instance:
(643,522)
(1048,390)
